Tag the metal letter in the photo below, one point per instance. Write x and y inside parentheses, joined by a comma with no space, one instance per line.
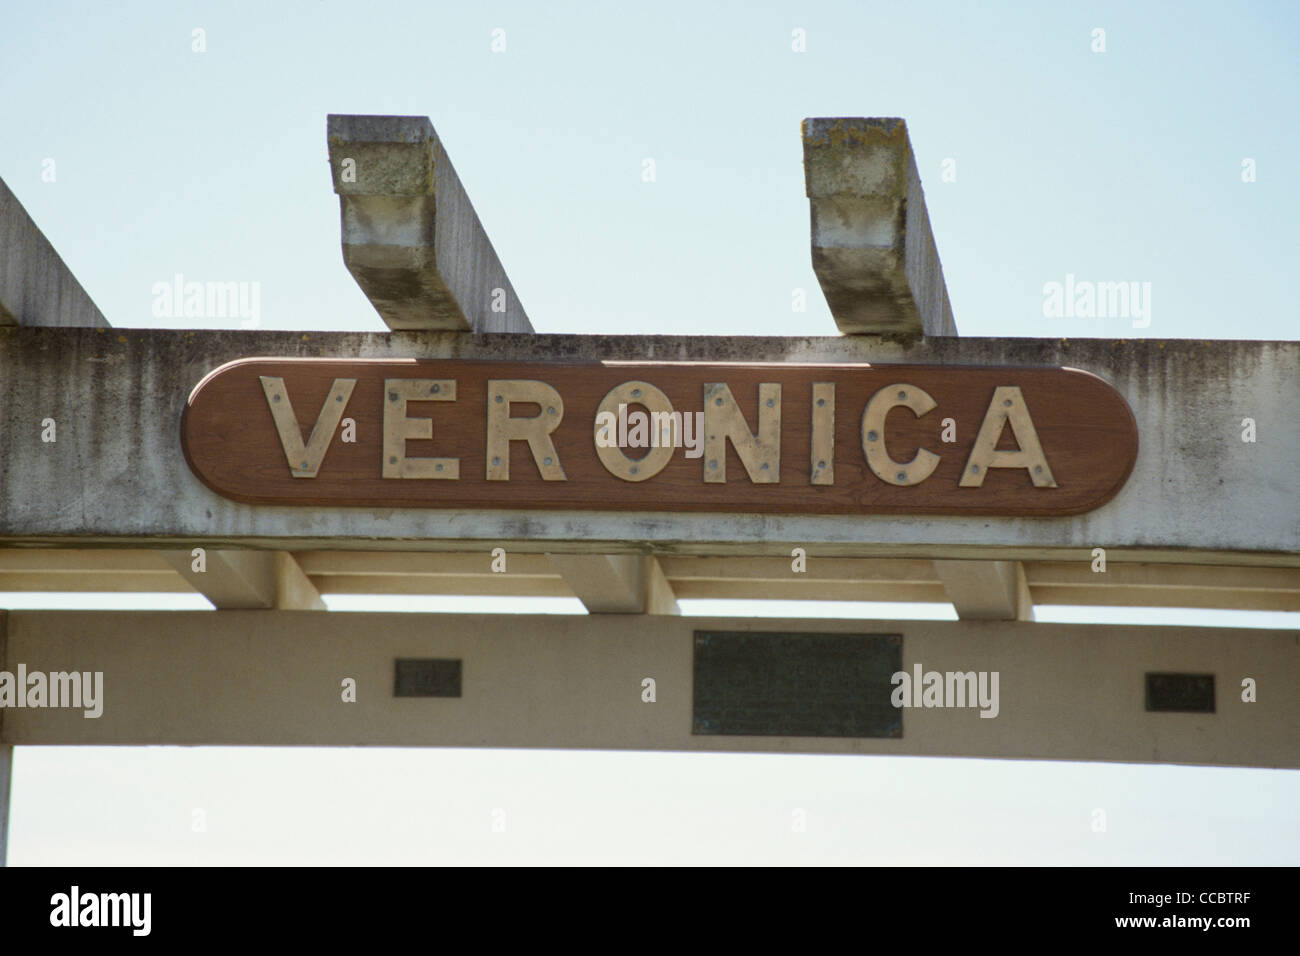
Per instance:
(873,435)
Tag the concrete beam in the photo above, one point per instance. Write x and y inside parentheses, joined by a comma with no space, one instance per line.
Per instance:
(326,564)
(617,583)
(36,287)
(1164,585)
(248,579)
(754,578)
(872,247)
(411,239)
(987,590)
(1198,494)
(254,678)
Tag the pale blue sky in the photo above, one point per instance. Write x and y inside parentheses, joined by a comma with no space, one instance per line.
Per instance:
(1124,165)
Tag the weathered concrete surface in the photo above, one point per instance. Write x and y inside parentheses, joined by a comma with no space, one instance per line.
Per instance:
(1065,691)
(1198,494)
(36,287)
(411,239)
(872,247)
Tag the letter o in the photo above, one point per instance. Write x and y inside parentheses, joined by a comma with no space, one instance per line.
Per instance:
(618,464)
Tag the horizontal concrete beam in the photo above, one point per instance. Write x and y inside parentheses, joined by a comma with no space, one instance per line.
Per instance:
(1065,692)
(36,287)
(872,247)
(1198,494)
(754,578)
(411,239)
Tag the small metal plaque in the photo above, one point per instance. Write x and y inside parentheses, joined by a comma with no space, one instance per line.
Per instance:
(796,684)
(427,678)
(1185,693)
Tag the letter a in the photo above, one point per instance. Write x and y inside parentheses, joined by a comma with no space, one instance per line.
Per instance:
(1008,405)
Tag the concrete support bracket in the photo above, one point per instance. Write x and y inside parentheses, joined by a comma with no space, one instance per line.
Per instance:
(248,579)
(411,239)
(617,583)
(987,590)
(872,248)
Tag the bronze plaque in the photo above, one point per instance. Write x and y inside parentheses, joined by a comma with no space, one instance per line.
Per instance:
(785,684)
(426,677)
(782,439)
(1180,693)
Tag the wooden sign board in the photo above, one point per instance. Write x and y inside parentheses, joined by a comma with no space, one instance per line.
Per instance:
(782,439)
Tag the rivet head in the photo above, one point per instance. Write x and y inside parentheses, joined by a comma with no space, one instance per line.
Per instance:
(437,467)
(1006,402)
(975,469)
(821,464)
(338,398)
(435,389)
(771,402)
(902,394)
(306,467)
(392,396)
(275,398)
(547,461)
(1038,469)
(763,467)
(496,461)
(713,463)
(871,436)
(632,469)
(821,403)
(392,459)
(636,393)
(717,401)
(901,476)
(550,409)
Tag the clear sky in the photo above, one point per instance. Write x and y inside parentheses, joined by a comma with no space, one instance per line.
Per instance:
(1122,165)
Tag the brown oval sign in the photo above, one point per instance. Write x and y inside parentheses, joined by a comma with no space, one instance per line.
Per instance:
(789,439)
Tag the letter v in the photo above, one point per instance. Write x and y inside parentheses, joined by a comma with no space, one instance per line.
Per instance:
(305,461)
